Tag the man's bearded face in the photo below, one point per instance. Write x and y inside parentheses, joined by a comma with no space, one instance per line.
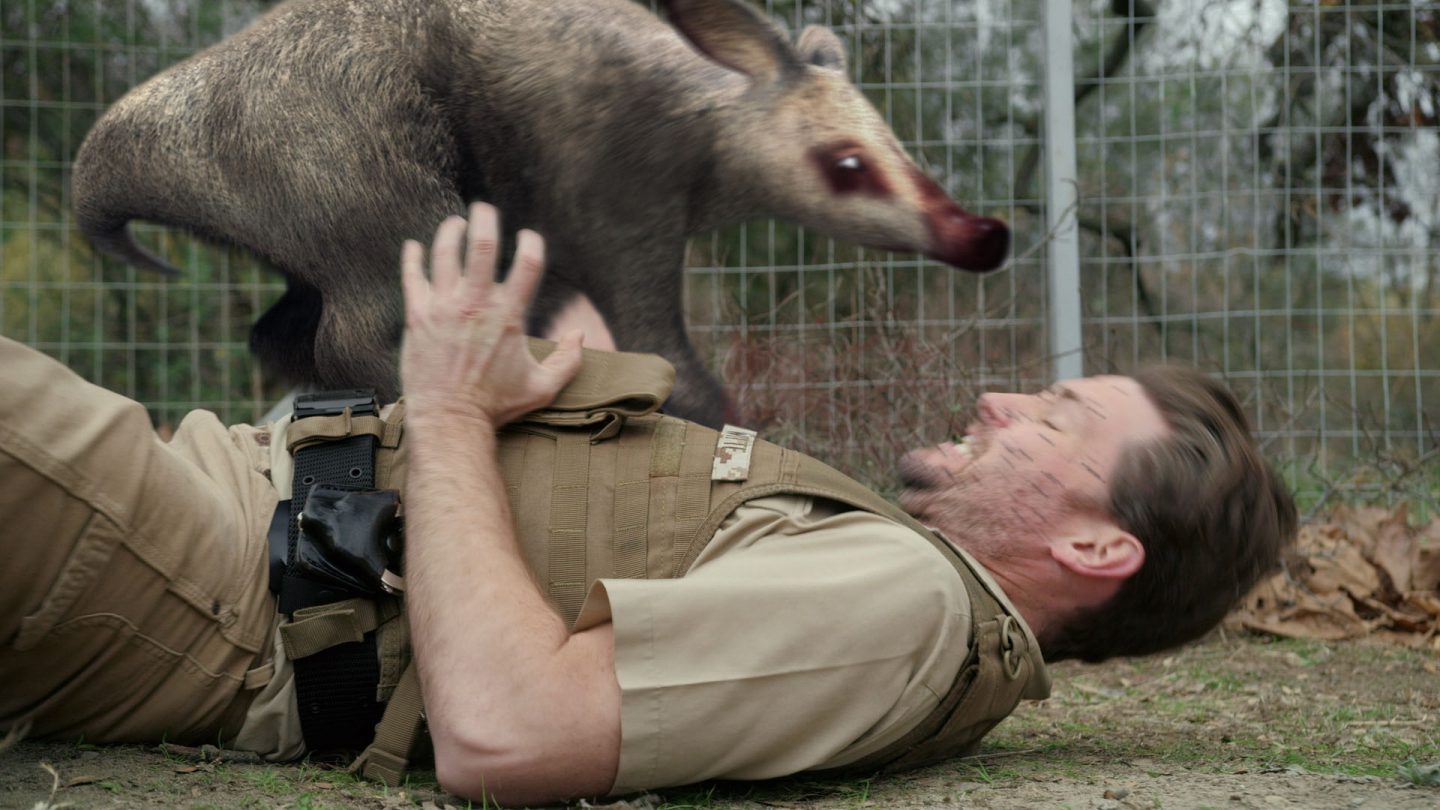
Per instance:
(1029,463)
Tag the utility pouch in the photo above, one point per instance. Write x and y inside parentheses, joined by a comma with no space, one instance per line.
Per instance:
(351,539)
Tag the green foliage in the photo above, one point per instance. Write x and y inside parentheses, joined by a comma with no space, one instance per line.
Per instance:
(173,344)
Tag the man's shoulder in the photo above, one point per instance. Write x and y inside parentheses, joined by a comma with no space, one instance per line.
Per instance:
(828,534)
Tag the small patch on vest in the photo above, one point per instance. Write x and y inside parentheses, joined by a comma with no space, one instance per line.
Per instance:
(732,454)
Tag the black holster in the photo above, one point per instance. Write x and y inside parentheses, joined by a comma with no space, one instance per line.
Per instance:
(341,538)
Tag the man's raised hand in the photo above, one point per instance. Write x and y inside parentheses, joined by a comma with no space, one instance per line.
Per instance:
(465,356)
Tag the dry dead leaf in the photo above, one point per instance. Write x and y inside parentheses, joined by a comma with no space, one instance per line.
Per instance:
(76,781)
(1395,551)
(1426,602)
(1342,567)
(1361,571)
(1426,576)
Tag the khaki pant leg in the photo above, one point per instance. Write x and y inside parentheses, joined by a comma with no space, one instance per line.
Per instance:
(133,594)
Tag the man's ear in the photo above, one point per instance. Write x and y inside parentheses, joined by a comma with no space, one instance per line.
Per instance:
(1103,551)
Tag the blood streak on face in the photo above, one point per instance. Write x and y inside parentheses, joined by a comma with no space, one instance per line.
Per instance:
(957,237)
(960,238)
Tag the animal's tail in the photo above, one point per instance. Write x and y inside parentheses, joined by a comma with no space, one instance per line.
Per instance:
(108,233)
(112,183)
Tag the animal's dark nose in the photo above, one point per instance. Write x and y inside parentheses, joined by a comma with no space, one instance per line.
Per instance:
(992,243)
(977,244)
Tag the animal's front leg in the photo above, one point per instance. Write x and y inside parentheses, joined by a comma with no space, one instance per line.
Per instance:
(357,340)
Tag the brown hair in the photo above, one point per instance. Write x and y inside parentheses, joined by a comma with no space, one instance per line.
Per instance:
(1213,516)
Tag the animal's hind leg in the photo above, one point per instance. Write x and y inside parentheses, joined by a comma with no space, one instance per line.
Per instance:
(284,337)
(357,341)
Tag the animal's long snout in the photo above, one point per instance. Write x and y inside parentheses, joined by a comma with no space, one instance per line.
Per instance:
(977,244)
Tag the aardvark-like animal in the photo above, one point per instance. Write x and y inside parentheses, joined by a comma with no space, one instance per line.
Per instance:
(329,131)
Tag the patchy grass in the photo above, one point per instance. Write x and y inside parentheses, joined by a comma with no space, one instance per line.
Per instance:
(1303,724)
(1242,705)
(1420,775)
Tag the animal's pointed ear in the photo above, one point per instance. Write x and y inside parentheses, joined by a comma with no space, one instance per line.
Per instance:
(819,46)
(737,36)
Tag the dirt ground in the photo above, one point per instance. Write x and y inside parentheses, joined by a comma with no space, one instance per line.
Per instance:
(1245,722)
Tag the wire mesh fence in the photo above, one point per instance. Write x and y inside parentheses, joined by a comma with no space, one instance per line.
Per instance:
(1257,196)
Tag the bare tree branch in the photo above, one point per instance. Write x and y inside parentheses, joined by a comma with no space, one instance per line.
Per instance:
(1139,14)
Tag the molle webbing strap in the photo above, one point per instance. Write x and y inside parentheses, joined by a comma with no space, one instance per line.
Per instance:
(626,383)
(692,497)
(389,754)
(610,388)
(387,454)
(316,430)
(669,445)
(665,452)
(315,629)
(569,507)
(632,501)
(393,641)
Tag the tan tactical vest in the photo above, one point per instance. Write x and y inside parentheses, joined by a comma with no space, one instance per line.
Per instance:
(602,486)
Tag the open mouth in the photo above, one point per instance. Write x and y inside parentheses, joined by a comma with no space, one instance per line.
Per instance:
(932,467)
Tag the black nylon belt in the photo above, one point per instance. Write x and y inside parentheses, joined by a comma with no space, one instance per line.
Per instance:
(335,688)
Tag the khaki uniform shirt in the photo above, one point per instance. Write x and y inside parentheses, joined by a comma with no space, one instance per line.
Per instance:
(803,637)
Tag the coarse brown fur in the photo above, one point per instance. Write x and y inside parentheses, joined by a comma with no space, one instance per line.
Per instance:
(331,130)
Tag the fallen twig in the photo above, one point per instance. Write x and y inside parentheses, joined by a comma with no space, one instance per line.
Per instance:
(13,737)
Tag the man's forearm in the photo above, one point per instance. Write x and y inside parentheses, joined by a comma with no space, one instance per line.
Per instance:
(503,679)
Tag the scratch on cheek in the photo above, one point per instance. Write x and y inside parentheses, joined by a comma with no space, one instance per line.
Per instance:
(1008,462)
(1038,489)
(1097,411)
(1091,470)
(1016,451)
(1046,439)
(1054,480)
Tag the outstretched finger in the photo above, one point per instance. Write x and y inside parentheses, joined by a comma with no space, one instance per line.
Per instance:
(412,279)
(445,256)
(482,246)
(526,270)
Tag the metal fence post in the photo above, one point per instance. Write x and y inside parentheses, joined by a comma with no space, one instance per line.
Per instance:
(1061,194)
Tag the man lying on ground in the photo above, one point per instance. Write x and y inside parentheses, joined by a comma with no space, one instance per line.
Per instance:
(599,599)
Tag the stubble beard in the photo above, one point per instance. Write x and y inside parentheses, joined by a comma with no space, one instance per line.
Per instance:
(994,516)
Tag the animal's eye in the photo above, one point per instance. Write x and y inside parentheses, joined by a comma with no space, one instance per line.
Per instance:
(847,170)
